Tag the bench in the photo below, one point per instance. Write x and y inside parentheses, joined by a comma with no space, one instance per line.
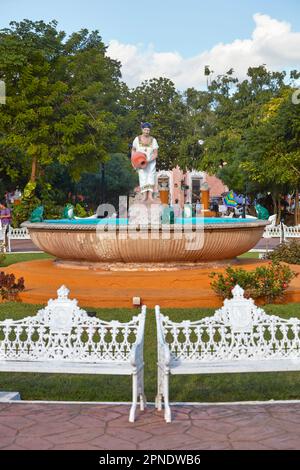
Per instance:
(62,338)
(239,337)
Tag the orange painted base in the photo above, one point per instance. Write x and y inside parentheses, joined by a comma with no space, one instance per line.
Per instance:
(98,288)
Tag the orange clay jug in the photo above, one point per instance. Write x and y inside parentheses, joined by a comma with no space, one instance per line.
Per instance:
(139,160)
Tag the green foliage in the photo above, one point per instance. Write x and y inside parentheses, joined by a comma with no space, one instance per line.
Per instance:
(158,102)
(22,211)
(80,211)
(2,255)
(288,252)
(266,283)
(67,112)
(253,132)
(61,99)
(120,179)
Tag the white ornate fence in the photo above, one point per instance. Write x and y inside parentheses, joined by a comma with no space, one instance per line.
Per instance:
(62,338)
(281,231)
(291,232)
(239,337)
(20,233)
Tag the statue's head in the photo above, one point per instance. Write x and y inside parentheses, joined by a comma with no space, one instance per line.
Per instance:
(146,127)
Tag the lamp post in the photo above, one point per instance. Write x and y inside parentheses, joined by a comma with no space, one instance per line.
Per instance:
(244,207)
(244,202)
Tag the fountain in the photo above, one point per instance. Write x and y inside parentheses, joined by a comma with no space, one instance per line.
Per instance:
(146,240)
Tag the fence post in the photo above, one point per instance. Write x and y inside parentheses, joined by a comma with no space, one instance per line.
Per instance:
(282,237)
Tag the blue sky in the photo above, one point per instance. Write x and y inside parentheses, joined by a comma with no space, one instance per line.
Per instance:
(186,26)
(177,38)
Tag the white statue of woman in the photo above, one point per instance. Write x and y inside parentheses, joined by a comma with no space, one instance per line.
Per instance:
(148,145)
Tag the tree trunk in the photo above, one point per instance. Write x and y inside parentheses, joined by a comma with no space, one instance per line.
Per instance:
(278,209)
(33,170)
(296,215)
(274,198)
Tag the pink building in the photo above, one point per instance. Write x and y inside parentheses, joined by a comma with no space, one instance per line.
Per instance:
(186,186)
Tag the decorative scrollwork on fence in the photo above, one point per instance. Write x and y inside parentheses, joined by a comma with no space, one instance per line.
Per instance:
(238,330)
(63,331)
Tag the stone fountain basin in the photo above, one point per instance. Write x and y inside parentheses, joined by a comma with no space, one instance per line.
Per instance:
(163,244)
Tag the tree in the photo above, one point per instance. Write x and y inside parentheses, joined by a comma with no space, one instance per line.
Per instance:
(241,136)
(157,101)
(119,181)
(62,99)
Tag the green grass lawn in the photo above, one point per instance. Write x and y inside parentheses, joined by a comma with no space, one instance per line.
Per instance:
(205,388)
(11,258)
(250,254)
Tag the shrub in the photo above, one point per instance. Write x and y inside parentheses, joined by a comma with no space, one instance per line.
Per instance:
(80,211)
(287,252)
(22,211)
(9,288)
(266,283)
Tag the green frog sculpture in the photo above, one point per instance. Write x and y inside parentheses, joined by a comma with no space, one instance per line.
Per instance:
(262,212)
(37,215)
(68,212)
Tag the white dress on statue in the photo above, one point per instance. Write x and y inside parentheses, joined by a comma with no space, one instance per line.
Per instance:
(147,176)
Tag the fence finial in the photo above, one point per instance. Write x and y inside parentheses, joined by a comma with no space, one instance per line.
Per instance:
(238,292)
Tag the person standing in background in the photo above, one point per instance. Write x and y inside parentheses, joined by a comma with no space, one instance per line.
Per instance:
(5,214)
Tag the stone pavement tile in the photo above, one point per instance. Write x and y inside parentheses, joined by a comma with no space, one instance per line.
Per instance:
(245,419)
(33,443)
(6,441)
(203,445)
(13,447)
(12,409)
(217,426)
(16,422)
(47,429)
(282,442)
(245,445)
(213,411)
(77,446)
(87,421)
(140,421)
(6,430)
(79,435)
(112,443)
(198,413)
(168,441)
(289,415)
(178,414)
(286,425)
(175,427)
(150,415)
(55,419)
(128,433)
(104,413)
(252,432)
(204,435)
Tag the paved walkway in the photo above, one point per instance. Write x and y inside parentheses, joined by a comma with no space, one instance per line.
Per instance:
(23,246)
(106,427)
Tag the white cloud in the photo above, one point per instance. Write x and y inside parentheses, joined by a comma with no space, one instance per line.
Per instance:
(272,43)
